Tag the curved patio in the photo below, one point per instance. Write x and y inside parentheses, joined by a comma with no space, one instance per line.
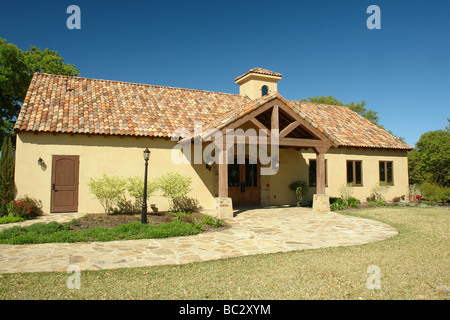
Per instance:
(254,231)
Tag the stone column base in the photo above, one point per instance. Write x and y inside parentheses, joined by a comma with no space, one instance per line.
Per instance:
(223,208)
(321,203)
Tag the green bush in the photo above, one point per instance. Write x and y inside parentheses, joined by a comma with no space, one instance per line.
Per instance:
(108,190)
(371,204)
(338,204)
(175,187)
(10,219)
(380,203)
(434,192)
(353,202)
(135,188)
(7,164)
(300,188)
(25,207)
(3,208)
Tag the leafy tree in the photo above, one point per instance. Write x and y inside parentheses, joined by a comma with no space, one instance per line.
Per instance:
(16,70)
(358,107)
(430,159)
(7,187)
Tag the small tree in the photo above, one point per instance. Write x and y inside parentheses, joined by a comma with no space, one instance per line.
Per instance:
(7,188)
(108,190)
(300,188)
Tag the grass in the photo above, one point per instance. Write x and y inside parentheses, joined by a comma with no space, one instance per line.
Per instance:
(414,265)
(56,232)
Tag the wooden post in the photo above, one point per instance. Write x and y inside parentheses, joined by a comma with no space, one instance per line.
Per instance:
(223,174)
(320,173)
(320,169)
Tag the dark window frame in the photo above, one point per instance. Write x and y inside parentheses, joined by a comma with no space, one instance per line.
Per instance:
(384,164)
(354,184)
(312,180)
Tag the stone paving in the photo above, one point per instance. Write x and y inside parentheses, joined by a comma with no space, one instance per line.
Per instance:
(256,231)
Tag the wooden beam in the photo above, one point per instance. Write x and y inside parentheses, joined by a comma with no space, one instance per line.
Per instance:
(260,125)
(275,116)
(289,128)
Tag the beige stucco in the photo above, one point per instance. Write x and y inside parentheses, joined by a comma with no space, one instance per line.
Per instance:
(294,166)
(251,85)
(110,155)
(122,156)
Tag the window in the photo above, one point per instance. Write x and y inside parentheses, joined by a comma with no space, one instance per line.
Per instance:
(354,172)
(264,90)
(313,173)
(387,172)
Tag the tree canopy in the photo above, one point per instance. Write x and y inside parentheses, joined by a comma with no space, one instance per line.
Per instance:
(430,159)
(16,70)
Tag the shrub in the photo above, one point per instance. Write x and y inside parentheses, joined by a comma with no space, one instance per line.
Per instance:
(10,219)
(380,203)
(300,188)
(175,186)
(135,188)
(434,192)
(7,187)
(379,190)
(3,208)
(25,207)
(346,190)
(338,204)
(353,202)
(371,204)
(108,190)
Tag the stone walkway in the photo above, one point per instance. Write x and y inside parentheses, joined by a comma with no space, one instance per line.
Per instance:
(255,231)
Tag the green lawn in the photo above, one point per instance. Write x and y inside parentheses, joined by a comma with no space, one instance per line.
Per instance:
(414,265)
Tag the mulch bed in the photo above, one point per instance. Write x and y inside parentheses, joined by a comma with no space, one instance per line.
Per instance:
(114,220)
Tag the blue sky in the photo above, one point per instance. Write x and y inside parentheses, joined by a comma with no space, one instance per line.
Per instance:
(321,48)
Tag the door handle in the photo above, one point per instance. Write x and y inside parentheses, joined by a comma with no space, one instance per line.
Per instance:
(53,186)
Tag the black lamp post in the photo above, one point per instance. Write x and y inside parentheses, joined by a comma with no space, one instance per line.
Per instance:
(144,201)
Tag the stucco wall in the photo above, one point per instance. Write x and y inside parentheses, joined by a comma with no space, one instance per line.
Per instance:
(123,156)
(101,154)
(294,166)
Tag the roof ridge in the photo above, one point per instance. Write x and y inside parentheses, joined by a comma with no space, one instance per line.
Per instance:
(139,84)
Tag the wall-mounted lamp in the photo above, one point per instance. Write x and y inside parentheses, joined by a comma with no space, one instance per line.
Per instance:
(209,162)
(41,163)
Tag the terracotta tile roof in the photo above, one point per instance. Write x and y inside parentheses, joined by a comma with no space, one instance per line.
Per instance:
(349,128)
(62,104)
(260,71)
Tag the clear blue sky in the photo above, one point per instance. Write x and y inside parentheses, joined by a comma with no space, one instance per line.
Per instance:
(320,47)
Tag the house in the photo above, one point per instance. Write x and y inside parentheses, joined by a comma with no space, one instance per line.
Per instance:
(71,129)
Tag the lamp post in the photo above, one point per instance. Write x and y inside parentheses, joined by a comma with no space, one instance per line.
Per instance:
(144,201)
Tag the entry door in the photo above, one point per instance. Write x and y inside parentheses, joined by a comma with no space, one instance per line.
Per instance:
(64,196)
(243,184)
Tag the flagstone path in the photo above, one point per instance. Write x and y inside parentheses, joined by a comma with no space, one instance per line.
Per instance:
(256,231)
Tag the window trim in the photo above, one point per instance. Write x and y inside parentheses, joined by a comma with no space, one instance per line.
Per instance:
(354,172)
(309,177)
(386,171)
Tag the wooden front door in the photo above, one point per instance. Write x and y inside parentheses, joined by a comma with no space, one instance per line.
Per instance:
(64,196)
(244,184)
